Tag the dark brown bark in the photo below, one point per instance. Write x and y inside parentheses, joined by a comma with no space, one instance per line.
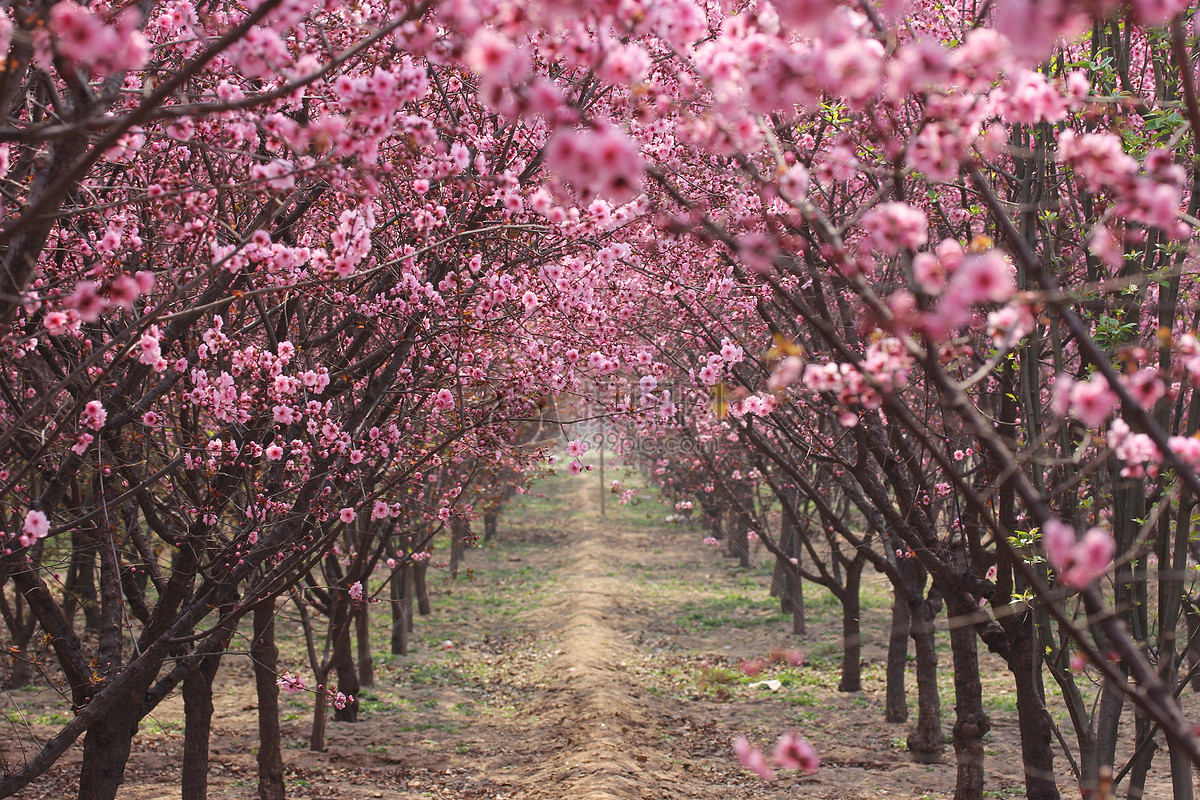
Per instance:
(421,589)
(458,532)
(402,592)
(362,627)
(852,628)
(264,654)
(1037,754)
(925,742)
(1192,609)
(896,699)
(1143,757)
(106,749)
(197,714)
(343,661)
(80,589)
(971,721)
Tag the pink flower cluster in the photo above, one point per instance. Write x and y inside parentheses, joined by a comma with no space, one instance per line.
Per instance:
(291,684)
(791,752)
(1077,562)
(84,38)
(597,161)
(37,526)
(893,227)
(339,700)
(1153,196)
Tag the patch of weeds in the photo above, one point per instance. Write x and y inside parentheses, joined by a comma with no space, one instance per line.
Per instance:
(463,748)
(1002,702)
(52,718)
(155,728)
(900,743)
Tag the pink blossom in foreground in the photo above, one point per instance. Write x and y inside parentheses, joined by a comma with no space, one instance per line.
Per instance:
(356,591)
(36,526)
(575,467)
(752,758)
(793,752)
(576,448)
(1078,563)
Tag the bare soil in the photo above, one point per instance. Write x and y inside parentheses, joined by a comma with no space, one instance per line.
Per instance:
(581,657)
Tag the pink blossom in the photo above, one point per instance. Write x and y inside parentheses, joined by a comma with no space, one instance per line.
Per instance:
(1078,563)
(37,526)
(381,510)
(291,684)
(93,415)
(575,467)
(752,758)
(347,515)
(793,752)
(786,372)
(1057,540)
(986,278)
(82,442)
(56,322)
(893,227)
(1090,558)
(356,591)
(1092,402)
(794,183)
(340,700)
(576,448)
(444,400)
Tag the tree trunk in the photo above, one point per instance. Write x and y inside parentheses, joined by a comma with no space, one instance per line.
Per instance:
(458,548)
(420,589)
(896,703)
(1143,757)
(851,629)
(971,721)
(265,657)
(197,726)
(399,637)
(106,748)
(925,743)
(343,661)
(362,627)
(80,589)
(1037,754)
(490,523)
(1192,611)
(799,626)
(316,738)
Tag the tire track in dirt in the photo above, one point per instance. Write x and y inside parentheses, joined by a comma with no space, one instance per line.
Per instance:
(610,748)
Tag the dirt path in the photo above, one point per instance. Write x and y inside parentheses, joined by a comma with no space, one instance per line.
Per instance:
(603,719)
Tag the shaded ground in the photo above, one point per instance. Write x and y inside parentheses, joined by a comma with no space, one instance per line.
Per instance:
(580,657)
